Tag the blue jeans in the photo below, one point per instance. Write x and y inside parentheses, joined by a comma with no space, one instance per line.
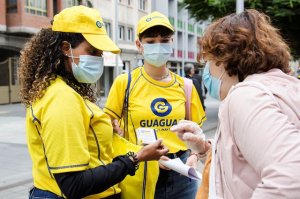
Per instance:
(172,185)
(36,193)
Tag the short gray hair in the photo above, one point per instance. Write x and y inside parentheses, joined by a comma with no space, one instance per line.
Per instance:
(188,67)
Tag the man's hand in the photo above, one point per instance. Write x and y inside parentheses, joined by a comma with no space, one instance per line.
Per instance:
(165,158)
(192,161)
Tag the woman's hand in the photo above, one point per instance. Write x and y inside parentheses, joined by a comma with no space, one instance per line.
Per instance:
(116,127)
(192,161)
(192,135)
(152,151)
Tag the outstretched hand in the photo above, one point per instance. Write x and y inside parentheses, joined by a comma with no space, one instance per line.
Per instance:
(192,135)
(152,151)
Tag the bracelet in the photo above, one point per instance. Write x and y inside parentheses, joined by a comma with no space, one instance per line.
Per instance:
(201,156)
(132,156)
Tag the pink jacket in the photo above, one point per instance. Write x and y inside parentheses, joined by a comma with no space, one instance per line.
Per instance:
(258,151)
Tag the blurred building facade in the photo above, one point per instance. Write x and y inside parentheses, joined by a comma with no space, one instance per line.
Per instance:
(188,31)
(20,19)
(123,33)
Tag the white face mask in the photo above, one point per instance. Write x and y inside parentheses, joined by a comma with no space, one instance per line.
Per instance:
(157,54)
(89,69)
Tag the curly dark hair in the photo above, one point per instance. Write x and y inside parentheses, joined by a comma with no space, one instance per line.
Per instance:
(42,60)
(246,44)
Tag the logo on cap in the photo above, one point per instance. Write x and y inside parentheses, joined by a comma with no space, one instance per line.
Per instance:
(150,18)
(99,24)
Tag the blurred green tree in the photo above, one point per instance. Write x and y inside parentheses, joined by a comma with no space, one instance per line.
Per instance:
(284,14)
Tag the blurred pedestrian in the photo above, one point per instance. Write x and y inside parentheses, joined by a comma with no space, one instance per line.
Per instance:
(189,70)
(256,151)
(198,76)
(156,100)
(69,138)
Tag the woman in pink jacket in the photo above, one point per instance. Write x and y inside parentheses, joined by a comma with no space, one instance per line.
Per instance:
(256,150)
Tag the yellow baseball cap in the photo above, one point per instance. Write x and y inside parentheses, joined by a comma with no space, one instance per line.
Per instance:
(153,19)
(88,22)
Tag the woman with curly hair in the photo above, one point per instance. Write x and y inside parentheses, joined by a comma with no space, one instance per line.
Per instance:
(68,136)
(256,150)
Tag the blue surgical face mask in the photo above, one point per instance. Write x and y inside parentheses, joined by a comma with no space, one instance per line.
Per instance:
(212,84)
(157,54)
(89,68)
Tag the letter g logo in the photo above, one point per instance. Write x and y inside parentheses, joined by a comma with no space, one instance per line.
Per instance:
(161,107)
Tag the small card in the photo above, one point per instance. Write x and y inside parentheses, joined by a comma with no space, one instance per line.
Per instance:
(146,135)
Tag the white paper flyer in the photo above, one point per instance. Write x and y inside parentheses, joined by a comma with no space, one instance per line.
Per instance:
(178,166)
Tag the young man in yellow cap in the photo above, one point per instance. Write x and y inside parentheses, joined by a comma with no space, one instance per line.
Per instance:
(69,138)
(152,96)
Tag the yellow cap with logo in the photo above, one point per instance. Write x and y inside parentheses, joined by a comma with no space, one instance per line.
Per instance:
(153,19)
(88,22)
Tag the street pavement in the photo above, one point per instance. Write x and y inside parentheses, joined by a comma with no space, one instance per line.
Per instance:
(15,162)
